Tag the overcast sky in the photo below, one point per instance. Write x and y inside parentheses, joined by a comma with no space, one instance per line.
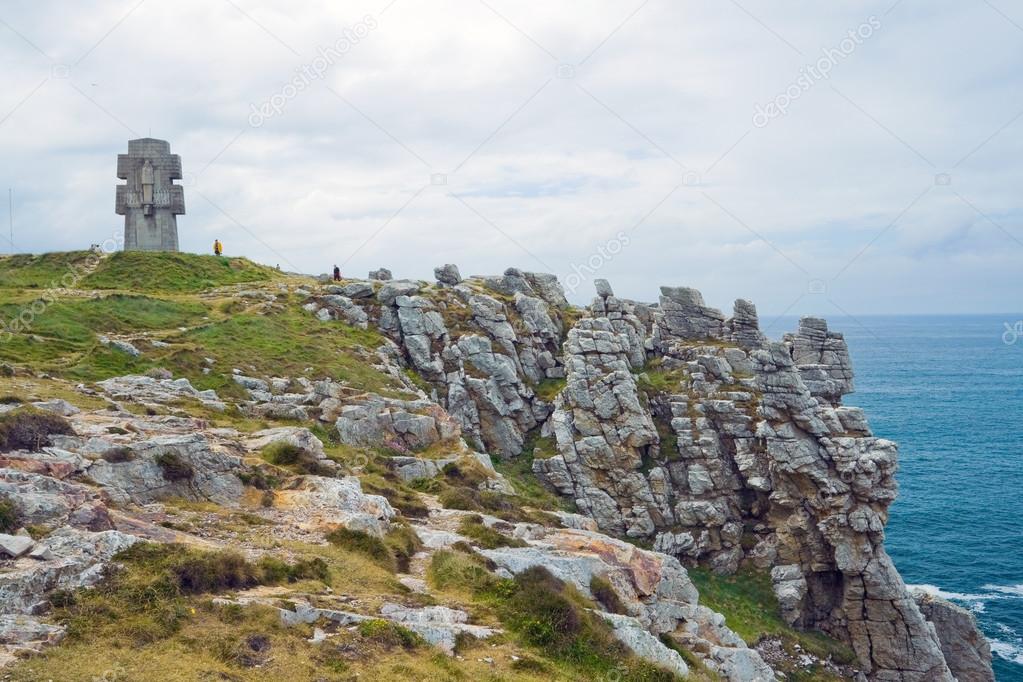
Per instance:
(749,149)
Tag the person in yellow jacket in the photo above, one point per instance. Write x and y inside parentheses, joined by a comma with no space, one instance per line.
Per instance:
(218,248)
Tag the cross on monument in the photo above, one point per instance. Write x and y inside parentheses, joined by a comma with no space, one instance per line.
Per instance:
(150,201)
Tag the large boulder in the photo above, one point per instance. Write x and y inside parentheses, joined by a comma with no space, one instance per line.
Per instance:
(74,559)
(188,467)
(966,650)
(319,502)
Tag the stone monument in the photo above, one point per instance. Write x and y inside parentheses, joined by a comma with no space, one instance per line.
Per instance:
(150,201)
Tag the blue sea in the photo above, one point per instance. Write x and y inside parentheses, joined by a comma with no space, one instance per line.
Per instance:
(949,390)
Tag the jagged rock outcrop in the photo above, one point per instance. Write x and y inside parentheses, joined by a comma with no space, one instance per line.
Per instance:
(654,588)
(604,435)
(689,428)
(966,651)
(321,502)
(447,274)
(744,454)
(483,343)
(399,424)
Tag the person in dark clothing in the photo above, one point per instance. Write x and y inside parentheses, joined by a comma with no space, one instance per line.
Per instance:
(337,274)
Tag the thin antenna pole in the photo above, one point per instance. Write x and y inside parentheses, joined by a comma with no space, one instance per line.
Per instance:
(10,214)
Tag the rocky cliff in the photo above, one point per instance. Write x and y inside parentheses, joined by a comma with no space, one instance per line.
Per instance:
(686,428)
(682,439)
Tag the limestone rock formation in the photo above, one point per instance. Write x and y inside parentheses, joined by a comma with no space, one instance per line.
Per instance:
(746,456)
(967,653)
(668,425)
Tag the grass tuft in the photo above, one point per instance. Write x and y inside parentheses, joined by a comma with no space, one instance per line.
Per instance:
(284,454)
(175,468)
(474,528)
(605,593)
(750,607)
(10,516)
(363,543)
(389,634)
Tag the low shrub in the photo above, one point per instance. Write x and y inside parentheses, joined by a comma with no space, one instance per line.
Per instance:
(389,634)
(284,454)
(274,571)
(30,429)
(474,528)
(260,480)
(607,596)
(118,455)
(500,505)
(146,598)
(363,543)
(465,499)
(174,467)
(10,517)
(464,475)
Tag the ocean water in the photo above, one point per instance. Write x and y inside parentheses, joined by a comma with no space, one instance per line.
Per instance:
(949,390)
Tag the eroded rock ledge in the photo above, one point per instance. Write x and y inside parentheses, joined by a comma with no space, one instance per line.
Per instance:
(687,428)
(670,426)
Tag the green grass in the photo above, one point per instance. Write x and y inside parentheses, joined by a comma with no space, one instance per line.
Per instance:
(137,271)
(64,341)
(284,344)
(361,542)
(26,271)
(472,527)
(64,337)
(549,389)
(654,378)
(146,599)
(394,552)
(389,634)
(751,610)
(519,472)
(668,446)
(545,614)
(174,272)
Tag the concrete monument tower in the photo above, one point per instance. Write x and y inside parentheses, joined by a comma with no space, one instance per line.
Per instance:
(150,201)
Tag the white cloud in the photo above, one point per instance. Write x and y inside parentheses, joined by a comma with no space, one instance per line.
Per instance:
(546,168)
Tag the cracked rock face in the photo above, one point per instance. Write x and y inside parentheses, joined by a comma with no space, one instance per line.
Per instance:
(483,343)
(747,456)
(967,653)
(654,589)
(687,428)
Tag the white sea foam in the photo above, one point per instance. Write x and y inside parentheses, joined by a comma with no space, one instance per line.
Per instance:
(1010,651)
(1009,590)
(974,602)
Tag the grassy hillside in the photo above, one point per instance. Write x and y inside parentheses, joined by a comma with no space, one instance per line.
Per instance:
(134,271)
(170,307)
(38,272)
(180,272)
